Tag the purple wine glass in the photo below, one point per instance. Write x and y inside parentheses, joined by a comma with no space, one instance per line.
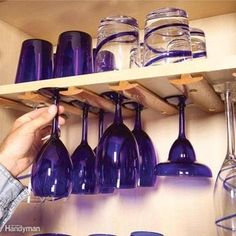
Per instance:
(35,62)
(51,175)
(182,159)
(145,233)
(84,161)
(117,154)
(148,159)
(102,190)
(74,54)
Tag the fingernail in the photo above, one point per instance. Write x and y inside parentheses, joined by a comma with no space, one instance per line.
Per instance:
(52,109)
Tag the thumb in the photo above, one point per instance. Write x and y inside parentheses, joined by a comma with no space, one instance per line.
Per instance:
(42,119)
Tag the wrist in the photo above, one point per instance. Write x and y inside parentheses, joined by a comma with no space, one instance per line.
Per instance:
(10,165)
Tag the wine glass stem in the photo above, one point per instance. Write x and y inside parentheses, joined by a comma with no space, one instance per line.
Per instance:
(229,112)
(100,124)
(182,118)
(118,113)
(55,128)
(85,125)
(138,124)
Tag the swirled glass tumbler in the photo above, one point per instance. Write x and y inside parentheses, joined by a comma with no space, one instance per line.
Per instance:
(74,54)
(166,37)
(198,43)
(118,40)
(35,62)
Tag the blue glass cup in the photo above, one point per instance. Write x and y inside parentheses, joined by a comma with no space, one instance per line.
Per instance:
(35,61)
(145,233)
(73,54)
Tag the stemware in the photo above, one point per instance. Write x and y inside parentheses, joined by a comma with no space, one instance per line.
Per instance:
(147,177)
(182,159)
(52,171)
(145,233)
(118,157)
(84,161)
(100,127)
(35,62)
(100,133)
(225,185)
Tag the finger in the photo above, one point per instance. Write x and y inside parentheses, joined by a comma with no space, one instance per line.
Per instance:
(28,117)
(43,119)
(32,115)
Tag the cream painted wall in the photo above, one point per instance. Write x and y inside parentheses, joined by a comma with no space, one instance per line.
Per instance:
(176,206)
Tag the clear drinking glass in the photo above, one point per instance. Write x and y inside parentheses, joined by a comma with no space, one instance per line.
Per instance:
(118,37)
(51,176)
(225,185)
(198,43)
(35,62)
(117,153)
(166,37)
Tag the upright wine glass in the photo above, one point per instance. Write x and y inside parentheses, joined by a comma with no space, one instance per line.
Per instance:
(225,185)
(182,159)
(84,161)
(118,157)
(147,177)
(52,171)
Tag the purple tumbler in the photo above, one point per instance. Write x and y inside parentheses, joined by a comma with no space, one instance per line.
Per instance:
(74,54)
(35,62)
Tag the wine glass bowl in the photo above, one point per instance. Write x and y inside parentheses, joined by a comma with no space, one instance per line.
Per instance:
(84,160)
(148,160)
(117,154)
(52,171)
(182,159)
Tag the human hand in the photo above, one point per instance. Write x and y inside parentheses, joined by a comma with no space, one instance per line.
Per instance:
(22,144)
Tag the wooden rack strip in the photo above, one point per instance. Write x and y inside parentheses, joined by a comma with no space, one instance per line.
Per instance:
(10,104)
(145,97)
(200,92)
(35,98)
(94,100)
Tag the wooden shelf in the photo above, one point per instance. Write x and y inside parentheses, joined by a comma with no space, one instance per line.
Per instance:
(155,81)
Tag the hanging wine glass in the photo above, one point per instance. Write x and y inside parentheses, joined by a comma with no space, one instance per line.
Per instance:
(182,159)
(84,161)
(100,127)
(147,178)
(100,133)
(52,171)
(118,157)
(225,185)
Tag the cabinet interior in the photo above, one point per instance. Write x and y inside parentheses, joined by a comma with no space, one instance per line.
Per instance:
(177,206)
